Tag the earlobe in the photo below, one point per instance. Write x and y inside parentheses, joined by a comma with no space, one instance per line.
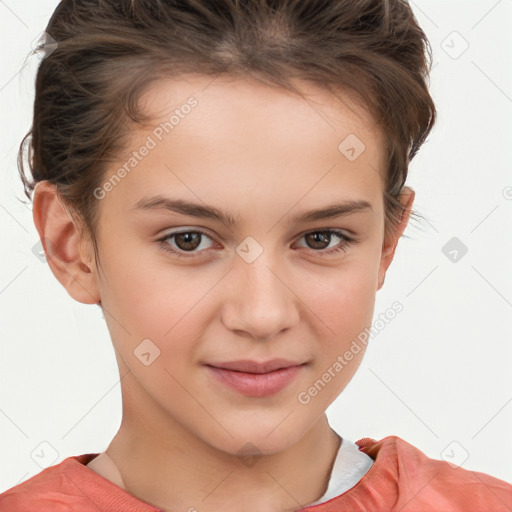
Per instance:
(389,245)
(63,244)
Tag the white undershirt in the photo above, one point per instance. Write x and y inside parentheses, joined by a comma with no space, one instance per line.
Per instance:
(349,467)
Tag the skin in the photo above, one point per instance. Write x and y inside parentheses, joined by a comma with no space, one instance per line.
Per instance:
(263,155)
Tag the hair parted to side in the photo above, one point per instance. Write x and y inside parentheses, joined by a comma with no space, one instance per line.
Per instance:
(109,51)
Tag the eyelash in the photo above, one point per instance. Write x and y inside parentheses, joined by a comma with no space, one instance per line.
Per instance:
(340,248)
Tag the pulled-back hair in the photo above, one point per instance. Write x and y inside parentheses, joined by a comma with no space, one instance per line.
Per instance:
(109,51)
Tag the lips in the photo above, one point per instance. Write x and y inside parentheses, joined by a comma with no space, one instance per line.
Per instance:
(248,366)
(256,385)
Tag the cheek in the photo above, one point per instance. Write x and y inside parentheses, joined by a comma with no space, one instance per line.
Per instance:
(160,302)
(145,289)
(342,298)
(343,309)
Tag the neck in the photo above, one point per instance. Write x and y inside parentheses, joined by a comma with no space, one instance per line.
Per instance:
(200,477)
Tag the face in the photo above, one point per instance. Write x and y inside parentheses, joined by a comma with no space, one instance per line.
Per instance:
(182,290)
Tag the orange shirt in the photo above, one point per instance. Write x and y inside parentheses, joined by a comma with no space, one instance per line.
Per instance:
(402,478)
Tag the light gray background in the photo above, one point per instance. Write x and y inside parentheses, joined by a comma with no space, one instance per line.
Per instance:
(439,375)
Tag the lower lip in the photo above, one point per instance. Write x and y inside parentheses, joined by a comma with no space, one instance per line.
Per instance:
(256,384)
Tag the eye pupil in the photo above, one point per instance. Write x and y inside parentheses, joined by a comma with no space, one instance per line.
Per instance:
(319,236)
(189,239)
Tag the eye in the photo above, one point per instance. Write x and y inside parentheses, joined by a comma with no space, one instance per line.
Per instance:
(186,241)
(322,240)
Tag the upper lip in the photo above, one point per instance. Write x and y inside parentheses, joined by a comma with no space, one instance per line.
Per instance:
(255,367)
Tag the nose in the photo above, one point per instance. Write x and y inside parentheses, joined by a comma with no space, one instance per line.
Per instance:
(259,301)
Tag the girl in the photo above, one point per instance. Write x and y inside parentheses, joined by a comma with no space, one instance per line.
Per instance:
(226,180)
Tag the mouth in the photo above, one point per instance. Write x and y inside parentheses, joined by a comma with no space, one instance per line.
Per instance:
(249,366)
(256,379)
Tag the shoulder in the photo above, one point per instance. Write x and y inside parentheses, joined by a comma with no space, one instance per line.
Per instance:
(54,485)
(431,484)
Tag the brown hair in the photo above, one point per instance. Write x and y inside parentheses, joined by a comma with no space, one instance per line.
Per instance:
(109,51)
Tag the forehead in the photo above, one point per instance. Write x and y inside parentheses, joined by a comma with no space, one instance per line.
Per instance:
(211,133)
(246,102)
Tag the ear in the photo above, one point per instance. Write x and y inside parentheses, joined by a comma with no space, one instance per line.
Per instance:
(65,249)
(390,243)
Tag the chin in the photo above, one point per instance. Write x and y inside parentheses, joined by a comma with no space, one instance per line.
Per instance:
(255,439)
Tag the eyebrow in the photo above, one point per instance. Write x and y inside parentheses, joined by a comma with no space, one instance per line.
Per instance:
(209,212)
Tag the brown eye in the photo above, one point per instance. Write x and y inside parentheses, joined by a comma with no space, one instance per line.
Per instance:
(188,241)
(185,243)
(318,239)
